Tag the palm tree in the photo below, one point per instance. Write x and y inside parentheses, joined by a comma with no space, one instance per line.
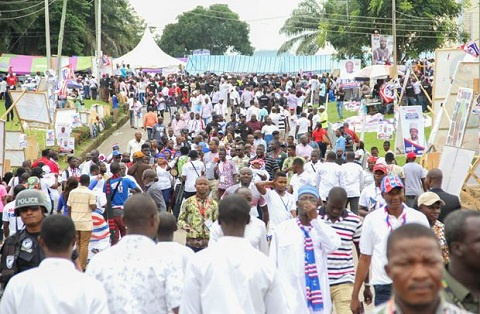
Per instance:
(303,26)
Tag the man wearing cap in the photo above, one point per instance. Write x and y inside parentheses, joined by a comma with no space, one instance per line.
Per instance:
(371,196)
(22,251)
(137,169)
(377,226)
(414,179)
(429,204)
(299,250)
(323,116)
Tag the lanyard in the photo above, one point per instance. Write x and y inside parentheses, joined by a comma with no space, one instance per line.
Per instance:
(281,198)
(313,167)
(403,217)
(203,210)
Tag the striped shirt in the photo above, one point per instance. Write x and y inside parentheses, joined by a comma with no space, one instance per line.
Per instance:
(340,262)
(100,227)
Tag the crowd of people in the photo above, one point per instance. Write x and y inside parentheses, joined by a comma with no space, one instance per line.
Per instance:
(272,208)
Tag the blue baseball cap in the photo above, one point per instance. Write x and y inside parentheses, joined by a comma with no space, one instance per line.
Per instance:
(116,153)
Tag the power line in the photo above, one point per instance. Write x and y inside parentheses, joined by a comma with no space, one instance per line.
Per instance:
(26,15)
(336,23)
(21,9)
(15,2)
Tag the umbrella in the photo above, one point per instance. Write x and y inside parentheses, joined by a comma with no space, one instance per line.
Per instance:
(373,72)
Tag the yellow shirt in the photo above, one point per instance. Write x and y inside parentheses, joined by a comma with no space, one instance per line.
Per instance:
(79,201)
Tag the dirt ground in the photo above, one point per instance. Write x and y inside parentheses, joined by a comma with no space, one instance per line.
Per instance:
(470,197)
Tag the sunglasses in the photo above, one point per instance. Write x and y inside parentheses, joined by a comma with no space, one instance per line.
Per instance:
(26,209)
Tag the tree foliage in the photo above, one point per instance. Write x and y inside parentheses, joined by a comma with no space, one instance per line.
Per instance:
(216,28)
(421,25)
(302,27)
(121,27)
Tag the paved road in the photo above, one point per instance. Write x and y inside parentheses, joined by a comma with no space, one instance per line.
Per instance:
(122,136)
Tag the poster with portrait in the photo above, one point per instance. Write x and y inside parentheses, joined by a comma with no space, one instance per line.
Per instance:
(50,138)
(382,49)
(413,133)
(458,123)
(67,146)
(385,131)
(349,67)
(62,131)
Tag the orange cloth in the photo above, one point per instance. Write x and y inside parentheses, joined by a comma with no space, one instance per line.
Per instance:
(150,120)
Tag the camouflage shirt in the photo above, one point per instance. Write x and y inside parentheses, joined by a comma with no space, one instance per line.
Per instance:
(191,215)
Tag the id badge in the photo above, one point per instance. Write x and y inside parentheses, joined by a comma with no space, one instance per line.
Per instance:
(208,223)
(222,179)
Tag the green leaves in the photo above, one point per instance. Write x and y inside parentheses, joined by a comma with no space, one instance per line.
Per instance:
(121,28)
(216,28)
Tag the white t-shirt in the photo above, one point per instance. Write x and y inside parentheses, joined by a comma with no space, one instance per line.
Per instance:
(269,129)
(303,125)
(279,208)
(298,181)
(9,216)
(375,232)
(292,122)
(252,110)
(192,170)
(327,177)
(371,198)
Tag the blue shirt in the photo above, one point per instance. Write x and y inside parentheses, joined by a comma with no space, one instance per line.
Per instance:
(340,143)
(122,192)
(114,102)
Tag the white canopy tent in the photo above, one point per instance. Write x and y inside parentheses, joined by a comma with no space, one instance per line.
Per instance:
(147,55)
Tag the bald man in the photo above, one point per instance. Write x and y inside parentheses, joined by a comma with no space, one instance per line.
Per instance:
(133,273)
(135,144)
(180,254)
(433,181)
(154,189)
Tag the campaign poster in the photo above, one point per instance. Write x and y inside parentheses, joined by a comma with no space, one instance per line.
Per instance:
(67,146)
(382,49)
(411,118)
(385,131)
(349,67)
(458,123)
(50,138)
(23,143)
(62,131)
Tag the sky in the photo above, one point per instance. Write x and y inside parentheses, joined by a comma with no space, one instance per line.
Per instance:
(265,17)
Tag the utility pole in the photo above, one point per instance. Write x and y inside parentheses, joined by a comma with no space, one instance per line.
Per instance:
(98,32)
(394,32)
(47,35)
(60,40)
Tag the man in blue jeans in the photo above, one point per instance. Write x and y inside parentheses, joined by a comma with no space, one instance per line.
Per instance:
(340,99)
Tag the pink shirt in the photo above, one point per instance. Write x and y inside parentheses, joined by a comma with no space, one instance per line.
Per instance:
(304,151)
(3,193)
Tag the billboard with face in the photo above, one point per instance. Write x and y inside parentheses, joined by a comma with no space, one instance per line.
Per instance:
(382,49)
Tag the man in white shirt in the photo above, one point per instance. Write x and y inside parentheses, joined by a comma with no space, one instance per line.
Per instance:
(191,171)
(135,145)
(328,175)
(377,226)
(280,203)
(351,179)
(11,222)
(300,177)
(55,286)
(135,276)
(414,179)
(303,149)
(299,247)
(255,230)
(371,196)
(253,110)
(180,254)
(303,124)
(313,165)
(213,275)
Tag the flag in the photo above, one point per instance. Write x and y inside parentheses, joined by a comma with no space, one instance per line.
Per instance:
(66,75)
(471,48)
(387,92)
(105,60)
